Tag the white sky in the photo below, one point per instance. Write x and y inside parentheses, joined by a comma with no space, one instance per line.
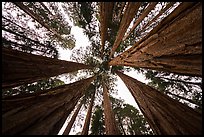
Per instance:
(123,92)
(82,40)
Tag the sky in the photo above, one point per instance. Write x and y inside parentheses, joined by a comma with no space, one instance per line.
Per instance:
(83,41)
(123,92)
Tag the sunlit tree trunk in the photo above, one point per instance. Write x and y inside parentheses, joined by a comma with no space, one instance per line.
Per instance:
(71,122)
(175,45)
(168,6)
(110,123)
(88,117)
(128,15)
(165,115)
(21,68)
(43,113)
(141,17)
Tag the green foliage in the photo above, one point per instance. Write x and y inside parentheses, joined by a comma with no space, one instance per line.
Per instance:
(177,84)
(128,118)
(34,87)
(97,123)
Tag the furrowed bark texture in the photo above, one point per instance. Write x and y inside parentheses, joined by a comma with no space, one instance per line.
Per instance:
(141,17)
(175,47)
(106,10)
(128,15)
(165,115)
(43,113)
(22,68)
(110,123)
(88,117)
(71,122)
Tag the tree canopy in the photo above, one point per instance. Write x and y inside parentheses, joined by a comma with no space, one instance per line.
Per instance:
(161,40)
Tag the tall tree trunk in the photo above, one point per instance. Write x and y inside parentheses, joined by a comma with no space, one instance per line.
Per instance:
(88,117)
(169,5)
(37,18)
(173,46)
(164,114)
(110,123)
(21,68)
(106,9)
(141,17)
(71,122)
(40,114)
(128,15)
(45,7)
(180,97)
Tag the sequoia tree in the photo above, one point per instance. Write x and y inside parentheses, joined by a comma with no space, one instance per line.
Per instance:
(162,112)
(43,113)
(20,68)
(110,124)
(174,45)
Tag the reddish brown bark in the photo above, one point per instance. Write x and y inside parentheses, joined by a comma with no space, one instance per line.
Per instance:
(106,9)
(21,68)
(169,5)
(88,117)
(141,17)
(165,115)
(43,113)
(110,123)
(71,122)
(176,47)
(128,15)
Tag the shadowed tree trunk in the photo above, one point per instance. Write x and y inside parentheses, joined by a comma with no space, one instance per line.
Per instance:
(71,122)
(22,68)
(165,115)
(43,113)
(174,46)
(110,123)
(128,15)
(88,117)
(106,9)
